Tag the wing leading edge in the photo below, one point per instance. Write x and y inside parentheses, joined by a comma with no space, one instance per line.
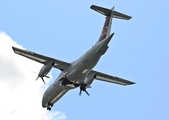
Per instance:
(111,79)
(41,58)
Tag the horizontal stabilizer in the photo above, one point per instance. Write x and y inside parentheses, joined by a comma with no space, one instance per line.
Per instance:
(101,10)
(110,12)
(121,16)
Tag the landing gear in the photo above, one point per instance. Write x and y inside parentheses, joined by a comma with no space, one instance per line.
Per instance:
(65,81)
(50,105)
(49,108)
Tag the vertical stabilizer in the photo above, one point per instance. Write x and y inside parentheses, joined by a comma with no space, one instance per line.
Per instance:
(109,13)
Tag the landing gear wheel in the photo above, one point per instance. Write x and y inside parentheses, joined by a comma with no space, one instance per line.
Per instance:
(50,105)
(49,108)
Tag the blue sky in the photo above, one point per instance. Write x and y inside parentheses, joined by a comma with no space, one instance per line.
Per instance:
(138,51)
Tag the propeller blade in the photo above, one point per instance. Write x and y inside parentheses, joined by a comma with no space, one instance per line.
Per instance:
(37,68)
(87,93)
(80,92)
(34,72)
(47,76)
(83,88)
(36,78)
(43,81)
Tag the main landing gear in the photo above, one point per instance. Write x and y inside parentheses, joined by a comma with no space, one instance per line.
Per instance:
(65,82)
(50,105)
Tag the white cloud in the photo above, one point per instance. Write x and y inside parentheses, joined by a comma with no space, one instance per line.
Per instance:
(20,95)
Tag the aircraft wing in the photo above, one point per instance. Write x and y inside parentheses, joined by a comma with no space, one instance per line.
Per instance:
(111,79)
(41,58)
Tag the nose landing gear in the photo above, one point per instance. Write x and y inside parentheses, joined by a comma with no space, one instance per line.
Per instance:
(49,108)
(50,105)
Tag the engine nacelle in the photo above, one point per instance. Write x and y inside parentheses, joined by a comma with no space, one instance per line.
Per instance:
(89,79)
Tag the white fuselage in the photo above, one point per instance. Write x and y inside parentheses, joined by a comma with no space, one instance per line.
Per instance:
(76,72)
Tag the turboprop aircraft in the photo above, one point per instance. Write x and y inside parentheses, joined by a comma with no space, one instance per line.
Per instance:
(78,73)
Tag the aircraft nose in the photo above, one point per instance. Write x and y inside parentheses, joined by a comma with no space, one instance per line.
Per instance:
(44,101)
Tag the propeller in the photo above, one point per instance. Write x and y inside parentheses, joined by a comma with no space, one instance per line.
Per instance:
(83,88)
(42,79)
(39,75)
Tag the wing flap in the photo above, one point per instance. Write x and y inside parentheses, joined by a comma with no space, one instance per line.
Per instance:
(111,79)
(41,58)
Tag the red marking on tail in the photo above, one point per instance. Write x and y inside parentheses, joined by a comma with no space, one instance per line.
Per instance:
(104,30)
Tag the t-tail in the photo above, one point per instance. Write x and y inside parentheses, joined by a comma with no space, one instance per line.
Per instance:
(109,13)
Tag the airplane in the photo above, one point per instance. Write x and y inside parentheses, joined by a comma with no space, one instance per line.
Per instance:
(78,73)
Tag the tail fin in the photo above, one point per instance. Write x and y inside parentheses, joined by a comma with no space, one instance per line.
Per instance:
(109,13)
